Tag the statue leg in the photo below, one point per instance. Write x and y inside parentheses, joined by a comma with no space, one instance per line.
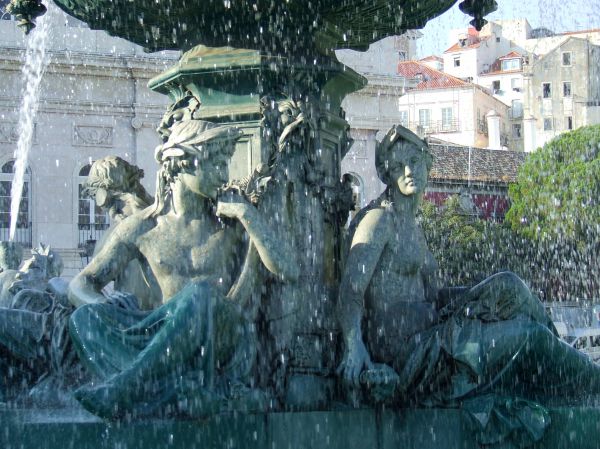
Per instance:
(504,296)
(526,356)
(23,348)
(148,359)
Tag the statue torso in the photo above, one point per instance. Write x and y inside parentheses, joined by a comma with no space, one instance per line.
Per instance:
(395,299)
(179,251)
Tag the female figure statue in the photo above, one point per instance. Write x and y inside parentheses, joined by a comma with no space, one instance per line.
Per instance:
(494,337)
(193,351)
(116,187)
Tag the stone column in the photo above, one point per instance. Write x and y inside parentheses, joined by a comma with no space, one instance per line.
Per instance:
(493,123)
(529,140)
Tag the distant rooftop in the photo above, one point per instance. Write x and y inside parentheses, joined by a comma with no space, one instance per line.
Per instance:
(429,77)
(431,58)
(451,163)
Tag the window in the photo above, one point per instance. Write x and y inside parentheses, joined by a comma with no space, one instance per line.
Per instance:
(92,222)
(457,62)
(566,58)
(446,118)
(424,118)
(403,118)
(402,56)
(547,124)
(547,90)
(496,86)
(23,229)
(515,84)
(569,123)
(516,131)
(567,89)
(511,64)
(498,39)
(516,109)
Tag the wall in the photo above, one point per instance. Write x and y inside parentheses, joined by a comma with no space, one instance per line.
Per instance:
(93,102)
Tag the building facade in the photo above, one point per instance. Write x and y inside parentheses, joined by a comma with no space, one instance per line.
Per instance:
(94,101)
(562,91)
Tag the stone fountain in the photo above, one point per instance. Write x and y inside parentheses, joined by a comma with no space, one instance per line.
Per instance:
(259,83)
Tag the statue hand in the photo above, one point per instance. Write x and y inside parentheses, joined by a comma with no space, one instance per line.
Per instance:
(356,359)
(123,300)
(232,205)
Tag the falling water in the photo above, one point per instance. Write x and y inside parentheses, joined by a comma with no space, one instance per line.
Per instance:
(35,64)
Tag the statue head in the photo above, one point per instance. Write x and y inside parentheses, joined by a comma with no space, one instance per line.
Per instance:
(115,185)
(196,153)
(43,265)
(403,159)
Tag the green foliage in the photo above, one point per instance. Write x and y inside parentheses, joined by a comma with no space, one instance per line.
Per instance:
(558,188)
(551,236)
(469,249)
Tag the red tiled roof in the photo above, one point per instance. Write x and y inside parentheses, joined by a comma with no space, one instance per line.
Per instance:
(472,31)
(496,67)
(458,47)
(451,163)
(432,79)
(511,55)
(431,58)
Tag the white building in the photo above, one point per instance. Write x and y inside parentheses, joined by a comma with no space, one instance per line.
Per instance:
(447,108)
(562,91)
(94,101)
(374,109)
(509,59)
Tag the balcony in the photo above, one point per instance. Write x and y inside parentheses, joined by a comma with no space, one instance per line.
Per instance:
(22,234)
(515,113)
(91,232)
(436,127)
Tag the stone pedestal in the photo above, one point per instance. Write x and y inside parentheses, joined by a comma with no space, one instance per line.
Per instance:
(352,429)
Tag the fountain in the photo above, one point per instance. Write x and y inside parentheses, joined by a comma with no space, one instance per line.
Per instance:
(246,354)
(33,70)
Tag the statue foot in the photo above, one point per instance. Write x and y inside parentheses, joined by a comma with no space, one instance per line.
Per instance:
(246,399)
(101,400)
(380,382)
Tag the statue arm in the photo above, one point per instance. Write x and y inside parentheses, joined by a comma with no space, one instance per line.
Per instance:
(274,250)
(116,253)
(370,238)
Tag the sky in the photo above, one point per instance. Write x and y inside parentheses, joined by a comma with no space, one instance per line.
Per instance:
(557,15)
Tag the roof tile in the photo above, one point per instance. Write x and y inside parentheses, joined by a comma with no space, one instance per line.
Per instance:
(432,79)
(451,163)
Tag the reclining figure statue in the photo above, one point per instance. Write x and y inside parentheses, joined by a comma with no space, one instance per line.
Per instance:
(192,354)
(409,342)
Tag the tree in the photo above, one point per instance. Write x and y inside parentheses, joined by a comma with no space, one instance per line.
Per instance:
(556,204)
(558,188)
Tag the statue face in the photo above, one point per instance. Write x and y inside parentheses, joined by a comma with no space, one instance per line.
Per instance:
(207,175)
(410,171)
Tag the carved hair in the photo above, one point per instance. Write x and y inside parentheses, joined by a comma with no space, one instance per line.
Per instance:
(114,174)
(190,143)
(397,140)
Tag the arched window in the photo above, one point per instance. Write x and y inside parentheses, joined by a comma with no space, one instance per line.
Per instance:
(23,231)
(92,222)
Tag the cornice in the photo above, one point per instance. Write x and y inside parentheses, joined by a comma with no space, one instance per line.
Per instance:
(92,64)
(52,106)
